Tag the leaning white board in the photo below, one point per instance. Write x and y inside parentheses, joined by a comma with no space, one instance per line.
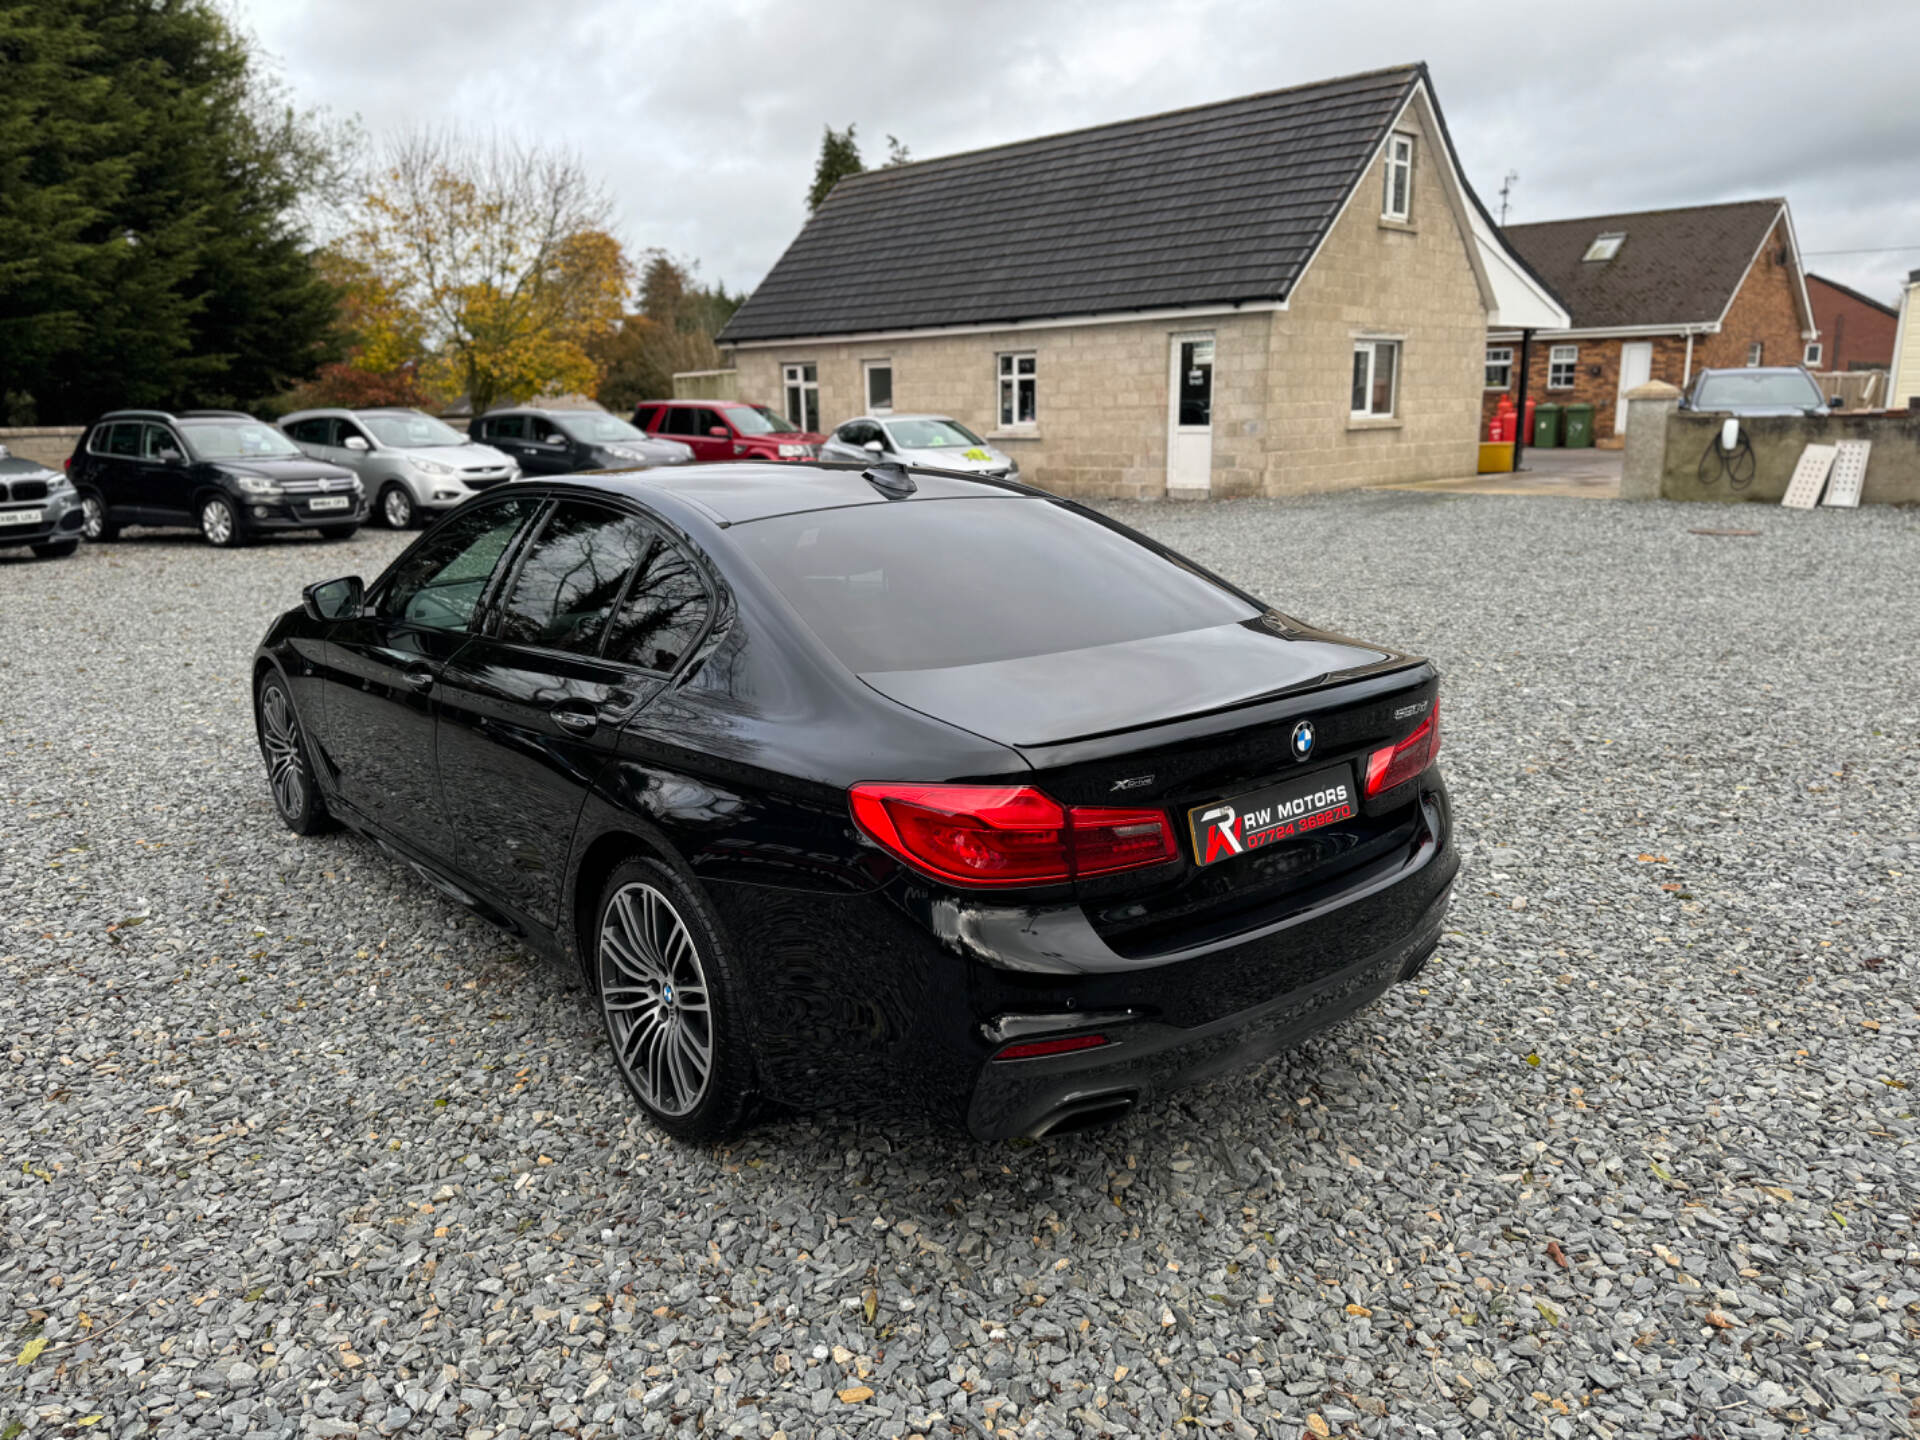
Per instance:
(1849,473)
(1809,477)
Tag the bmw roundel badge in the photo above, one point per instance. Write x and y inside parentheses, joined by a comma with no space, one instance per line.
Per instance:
(1303,740)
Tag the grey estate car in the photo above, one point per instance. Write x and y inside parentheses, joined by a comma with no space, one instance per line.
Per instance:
(1756,390)
(936,440)
(411,464)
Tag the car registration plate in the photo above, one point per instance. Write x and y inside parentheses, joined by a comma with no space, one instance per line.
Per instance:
(21,517)
(329,502)
(1258,818)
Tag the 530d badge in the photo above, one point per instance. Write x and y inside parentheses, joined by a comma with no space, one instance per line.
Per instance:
(1279,812)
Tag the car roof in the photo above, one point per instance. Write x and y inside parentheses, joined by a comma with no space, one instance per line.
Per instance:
(729,494)
(540,410)
(145,414)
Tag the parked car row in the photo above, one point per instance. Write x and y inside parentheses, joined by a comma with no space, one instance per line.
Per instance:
(235,477)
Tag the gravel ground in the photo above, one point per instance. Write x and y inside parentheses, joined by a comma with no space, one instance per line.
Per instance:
(291,1146)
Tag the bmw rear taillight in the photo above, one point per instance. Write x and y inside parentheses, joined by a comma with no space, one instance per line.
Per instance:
(1040,1049)
(1396,764)
(1007,835)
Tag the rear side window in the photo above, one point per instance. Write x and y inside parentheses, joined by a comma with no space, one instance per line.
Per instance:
(644,416)
(438,583)
(566,587)
(920,585)
(664,612)
(507,427)
(679,420)
(122,438)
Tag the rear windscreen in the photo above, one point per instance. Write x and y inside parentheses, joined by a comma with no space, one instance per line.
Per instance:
(918,585)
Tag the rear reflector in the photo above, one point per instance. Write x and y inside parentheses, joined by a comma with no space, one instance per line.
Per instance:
(1007,835)
(1397,764)
(1066,1045)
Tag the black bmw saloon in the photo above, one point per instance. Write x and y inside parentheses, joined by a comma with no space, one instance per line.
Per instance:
(878,789)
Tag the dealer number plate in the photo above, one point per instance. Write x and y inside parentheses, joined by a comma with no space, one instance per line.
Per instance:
(21,517)
(329,502)
(1230,827)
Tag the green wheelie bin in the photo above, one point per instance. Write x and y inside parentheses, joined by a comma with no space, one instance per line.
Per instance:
(1580,426)
(1546,427)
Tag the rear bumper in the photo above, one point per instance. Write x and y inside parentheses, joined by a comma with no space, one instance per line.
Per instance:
(1145,1059)
(895,1001)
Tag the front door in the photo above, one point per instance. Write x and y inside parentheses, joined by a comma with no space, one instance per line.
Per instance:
(380,711)
(1190,414)
(167,484)
(1636,368)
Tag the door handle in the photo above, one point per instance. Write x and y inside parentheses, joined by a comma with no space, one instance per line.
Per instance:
(571,717)
(419,677)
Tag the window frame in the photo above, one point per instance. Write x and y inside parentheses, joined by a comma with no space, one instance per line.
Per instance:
(1608,242)
(1506,364)
(794,381)
(867,367)
(1007,379)
(1399,165)
(1756,354)
(1370,346)
(1569,356)
(1813,354)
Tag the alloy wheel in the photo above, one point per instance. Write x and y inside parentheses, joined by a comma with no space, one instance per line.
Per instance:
(286,765)
(216,522)
(654,991)
(93,522)
(397,508)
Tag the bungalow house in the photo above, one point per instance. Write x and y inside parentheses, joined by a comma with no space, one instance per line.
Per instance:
(1656,295)
(1856,331)
(1284,292)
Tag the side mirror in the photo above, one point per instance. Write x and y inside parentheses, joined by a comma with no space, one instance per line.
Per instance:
(172,457)
(333,599)
(874,447)
(355,442)
(719,432)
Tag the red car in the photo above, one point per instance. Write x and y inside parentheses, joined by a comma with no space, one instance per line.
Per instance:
(727,429)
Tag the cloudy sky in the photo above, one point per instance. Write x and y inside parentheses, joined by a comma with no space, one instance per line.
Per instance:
(704,116)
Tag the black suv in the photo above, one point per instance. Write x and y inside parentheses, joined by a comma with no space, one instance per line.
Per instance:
(565,442)
(232,476)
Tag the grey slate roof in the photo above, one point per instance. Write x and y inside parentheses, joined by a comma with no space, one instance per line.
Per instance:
(1675,267)
(1217,204)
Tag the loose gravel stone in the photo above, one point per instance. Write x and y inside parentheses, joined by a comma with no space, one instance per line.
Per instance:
(291,1146)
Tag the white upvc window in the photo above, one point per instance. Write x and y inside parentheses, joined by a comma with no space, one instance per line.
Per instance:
(1376,378)
(1562,362)
(1019,390)
(879,380)
(803,394)
(1814,353)
(1396,200)
(1754,353)
(1499,367)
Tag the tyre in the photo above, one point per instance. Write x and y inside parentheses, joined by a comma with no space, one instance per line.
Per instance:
(283,745)
(56,549)
(338,532)
(397,510)
(93,508)
(669,996)
(220,522)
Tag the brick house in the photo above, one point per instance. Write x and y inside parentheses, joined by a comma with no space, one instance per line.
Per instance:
(1856,331)
(1656,295)
(1284,292)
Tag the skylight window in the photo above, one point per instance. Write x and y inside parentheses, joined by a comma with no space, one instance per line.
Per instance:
(1604,247)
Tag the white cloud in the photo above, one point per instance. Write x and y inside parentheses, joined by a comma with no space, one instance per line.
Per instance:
(705,119)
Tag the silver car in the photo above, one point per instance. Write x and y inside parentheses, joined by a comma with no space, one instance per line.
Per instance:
(936,440)
(410,463)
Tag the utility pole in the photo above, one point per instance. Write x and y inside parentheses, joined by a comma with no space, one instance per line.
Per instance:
(1506,191)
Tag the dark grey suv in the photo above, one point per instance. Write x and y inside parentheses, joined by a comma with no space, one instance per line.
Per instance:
(565,442)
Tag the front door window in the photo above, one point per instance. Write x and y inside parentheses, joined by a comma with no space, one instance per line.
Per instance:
(439,584)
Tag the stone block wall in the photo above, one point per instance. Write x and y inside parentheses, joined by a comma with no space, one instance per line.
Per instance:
(1893,467)
(49,444)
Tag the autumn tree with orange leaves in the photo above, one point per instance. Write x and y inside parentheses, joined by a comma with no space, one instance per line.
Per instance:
(501,252)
